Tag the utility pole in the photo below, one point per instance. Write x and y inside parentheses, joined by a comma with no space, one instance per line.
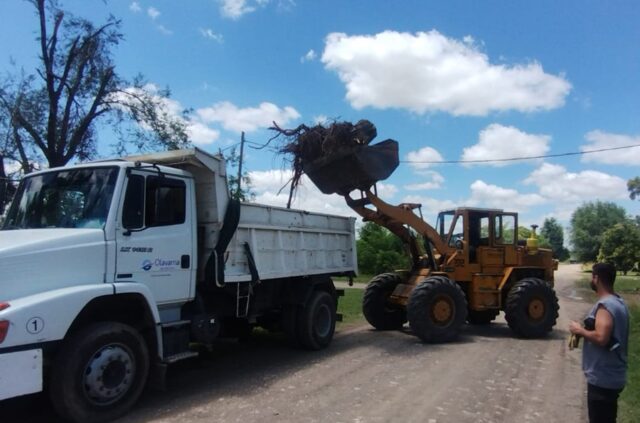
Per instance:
(240,166)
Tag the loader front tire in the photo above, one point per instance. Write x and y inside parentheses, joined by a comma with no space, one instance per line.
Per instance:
(437,310)
(377,309)
(531,308)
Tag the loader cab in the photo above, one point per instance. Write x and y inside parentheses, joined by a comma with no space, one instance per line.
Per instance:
(479,235)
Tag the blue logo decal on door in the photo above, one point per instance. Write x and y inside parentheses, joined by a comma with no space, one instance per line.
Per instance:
(147,265)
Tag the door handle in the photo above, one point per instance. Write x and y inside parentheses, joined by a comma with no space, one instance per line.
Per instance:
(185,261)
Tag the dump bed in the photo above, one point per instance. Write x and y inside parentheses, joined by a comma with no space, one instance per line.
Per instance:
(290,243)
(283,242)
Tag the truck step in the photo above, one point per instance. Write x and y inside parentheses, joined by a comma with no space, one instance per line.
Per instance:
(180,356)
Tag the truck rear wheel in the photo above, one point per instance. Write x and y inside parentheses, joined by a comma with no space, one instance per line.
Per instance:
(437,310)
(481,317)
(376,308)
(99,373)
(531,308)
(317,321)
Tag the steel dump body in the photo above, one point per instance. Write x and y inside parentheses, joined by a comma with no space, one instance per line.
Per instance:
(284,242)
(289,243)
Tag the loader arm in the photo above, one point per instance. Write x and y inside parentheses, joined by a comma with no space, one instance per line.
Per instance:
(394,218)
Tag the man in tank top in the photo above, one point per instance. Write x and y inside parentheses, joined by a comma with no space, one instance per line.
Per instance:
(604,355)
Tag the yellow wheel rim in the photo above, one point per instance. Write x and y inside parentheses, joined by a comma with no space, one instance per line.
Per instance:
(442,311)
(536,309)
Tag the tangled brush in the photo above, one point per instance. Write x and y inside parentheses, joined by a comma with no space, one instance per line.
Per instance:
(305,145)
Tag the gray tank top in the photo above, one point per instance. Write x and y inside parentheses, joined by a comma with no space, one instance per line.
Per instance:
(606,367)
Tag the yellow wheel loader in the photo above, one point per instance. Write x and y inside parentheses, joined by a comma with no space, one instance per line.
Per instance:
(467,268)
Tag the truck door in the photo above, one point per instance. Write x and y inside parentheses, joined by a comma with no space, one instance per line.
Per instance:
(155,238)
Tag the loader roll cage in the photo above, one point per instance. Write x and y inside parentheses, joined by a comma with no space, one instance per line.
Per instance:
(451,235)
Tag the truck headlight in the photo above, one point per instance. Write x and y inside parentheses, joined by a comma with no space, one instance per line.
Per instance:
(4,328)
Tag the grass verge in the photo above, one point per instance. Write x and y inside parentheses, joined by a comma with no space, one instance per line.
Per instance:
(629,404)
(350,306)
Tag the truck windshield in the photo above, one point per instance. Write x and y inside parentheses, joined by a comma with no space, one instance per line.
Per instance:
(75,198)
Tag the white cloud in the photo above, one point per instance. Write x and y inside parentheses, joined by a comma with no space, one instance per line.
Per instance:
(211,35)
(153,13)
(597,140)
(427,72)
(135,7)
(199,133)
(164,30)
(493,196)
(430,206)
(309,57)
(435,182)
(555,183)
(248,119)
(235,9)
(425,154)
(502,142)
(320,119)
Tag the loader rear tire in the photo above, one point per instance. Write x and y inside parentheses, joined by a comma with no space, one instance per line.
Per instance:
(481,317)
(531,308)
(437,310)
(376,308)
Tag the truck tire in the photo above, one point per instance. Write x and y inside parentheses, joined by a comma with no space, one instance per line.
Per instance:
(531,308)
(317,321)
(481,317)
(375,305)
(99,373)
(437,310)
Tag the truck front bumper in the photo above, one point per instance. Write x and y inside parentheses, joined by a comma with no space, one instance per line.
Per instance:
(20,373)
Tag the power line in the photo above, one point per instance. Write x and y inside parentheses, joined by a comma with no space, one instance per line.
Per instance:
(511,159)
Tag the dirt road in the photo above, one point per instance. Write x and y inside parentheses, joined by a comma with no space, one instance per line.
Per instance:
(369,376)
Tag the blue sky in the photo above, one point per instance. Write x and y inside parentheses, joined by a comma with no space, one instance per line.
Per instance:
(455,80)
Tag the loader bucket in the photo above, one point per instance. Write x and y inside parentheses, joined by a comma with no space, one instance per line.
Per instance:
(357,168)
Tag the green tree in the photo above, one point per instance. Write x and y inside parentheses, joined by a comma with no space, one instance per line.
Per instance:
(633,185)
(379,250)
(51,115)
(553,232)
(588,223)
(621,245)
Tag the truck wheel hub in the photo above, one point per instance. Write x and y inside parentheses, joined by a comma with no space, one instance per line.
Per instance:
(322,323)
(109,374)
(536,309)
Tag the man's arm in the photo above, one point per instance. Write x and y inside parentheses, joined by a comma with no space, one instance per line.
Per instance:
(603,328)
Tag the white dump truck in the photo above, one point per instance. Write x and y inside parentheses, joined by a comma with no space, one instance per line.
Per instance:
(111,270)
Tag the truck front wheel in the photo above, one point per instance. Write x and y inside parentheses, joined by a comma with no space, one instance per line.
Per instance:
(317,321)
(99,373)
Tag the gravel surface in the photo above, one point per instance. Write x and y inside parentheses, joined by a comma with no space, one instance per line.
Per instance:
(370,376)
